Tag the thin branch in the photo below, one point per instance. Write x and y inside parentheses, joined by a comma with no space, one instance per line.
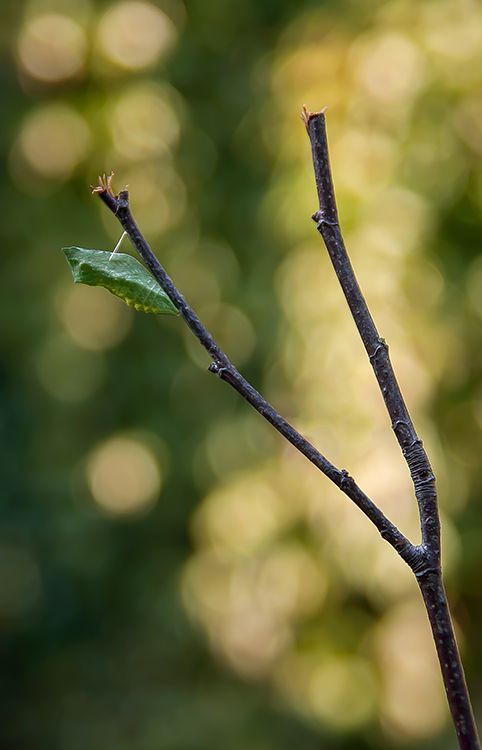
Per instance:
(424,560)
(221,365)
(427,566)
(435,600)
(328,226)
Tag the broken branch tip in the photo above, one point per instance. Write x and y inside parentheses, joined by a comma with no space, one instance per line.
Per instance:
(104,185)
(306,115)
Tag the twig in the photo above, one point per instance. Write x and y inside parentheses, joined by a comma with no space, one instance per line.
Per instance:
(222,366)
(427,564)
(327,224)
(423,559)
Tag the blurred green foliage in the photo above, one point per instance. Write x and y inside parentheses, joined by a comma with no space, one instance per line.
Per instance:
(171,575)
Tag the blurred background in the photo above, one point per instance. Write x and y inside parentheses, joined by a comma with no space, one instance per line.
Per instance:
(172,575)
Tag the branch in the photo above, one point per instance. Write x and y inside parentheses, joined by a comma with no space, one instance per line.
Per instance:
(427,565)
(435,600)
(221,365)
(328,226)
(424,559)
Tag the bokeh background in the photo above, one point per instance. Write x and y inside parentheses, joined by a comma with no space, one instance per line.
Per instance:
(173,576)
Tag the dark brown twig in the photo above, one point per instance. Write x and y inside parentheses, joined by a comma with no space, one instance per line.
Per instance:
(327,224)
(427,564)
(423,559)
(221,366)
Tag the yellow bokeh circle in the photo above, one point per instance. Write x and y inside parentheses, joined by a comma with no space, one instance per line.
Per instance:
(52,47)
(124,475)
(135,34)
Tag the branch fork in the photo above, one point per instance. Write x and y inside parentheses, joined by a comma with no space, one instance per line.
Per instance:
(424,559)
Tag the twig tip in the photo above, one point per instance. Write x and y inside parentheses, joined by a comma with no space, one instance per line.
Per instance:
(306,115)
(104,185)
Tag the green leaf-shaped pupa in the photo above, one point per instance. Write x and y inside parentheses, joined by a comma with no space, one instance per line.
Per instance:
(122,275)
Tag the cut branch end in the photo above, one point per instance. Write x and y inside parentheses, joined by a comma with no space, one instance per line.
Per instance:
(104,185)
(306,115)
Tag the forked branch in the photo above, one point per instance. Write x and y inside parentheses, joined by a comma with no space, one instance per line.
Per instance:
(223,367)
(427,563)
(423,559)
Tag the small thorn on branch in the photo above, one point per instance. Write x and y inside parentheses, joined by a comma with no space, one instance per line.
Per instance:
(217,368)
(346,479)
(319,218)
(381,346)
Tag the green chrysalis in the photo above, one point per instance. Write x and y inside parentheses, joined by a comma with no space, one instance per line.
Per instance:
(122,275)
